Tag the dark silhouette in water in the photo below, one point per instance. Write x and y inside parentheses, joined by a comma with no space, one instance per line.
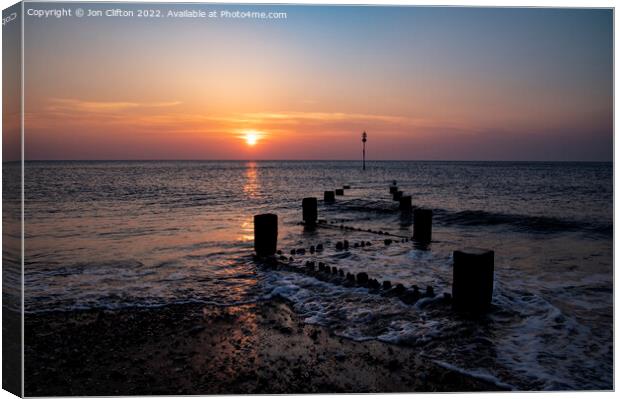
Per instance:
(472,281)
(364,139)
(310,213)
(422,225)
(265,234)
(405,204)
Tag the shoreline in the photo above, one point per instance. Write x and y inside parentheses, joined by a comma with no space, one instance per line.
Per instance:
(196,349)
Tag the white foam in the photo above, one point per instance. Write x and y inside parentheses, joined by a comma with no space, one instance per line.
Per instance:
(478,374)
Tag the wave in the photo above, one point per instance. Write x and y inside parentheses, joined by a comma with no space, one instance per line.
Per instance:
(480,375)
(369,206)
(528,223)
(525,223)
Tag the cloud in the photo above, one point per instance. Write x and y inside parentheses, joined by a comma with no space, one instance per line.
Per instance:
(171,118)
(342,121)
(325,116)
(68,105)
(114,125)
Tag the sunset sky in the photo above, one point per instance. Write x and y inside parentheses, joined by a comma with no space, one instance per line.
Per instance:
(425,83)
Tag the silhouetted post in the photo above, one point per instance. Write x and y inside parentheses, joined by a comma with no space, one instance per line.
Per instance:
(364,139)
(310,213)
(472,280)
(329,196)
(393,189)
(265,234)
(396,196)
(422,224)
(339,191)
(405,204)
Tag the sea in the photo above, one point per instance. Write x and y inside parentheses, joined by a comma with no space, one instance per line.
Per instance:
(110,235)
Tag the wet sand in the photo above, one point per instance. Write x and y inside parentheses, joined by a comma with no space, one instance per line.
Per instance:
(197,349)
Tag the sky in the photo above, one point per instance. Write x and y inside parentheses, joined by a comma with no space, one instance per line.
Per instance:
(424,83)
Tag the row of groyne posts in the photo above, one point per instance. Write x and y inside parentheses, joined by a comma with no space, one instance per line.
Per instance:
(472,268)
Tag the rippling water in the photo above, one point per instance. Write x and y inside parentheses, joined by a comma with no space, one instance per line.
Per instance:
(118,234)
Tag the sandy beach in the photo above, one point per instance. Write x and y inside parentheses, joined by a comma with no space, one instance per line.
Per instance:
(197,349)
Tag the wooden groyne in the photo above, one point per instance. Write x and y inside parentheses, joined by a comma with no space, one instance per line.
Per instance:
(473,269)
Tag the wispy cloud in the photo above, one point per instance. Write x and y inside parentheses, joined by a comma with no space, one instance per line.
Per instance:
(171,117)
(76,105)
(324,116)
(340,120)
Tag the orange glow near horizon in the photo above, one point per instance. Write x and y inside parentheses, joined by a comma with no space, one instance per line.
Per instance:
(176,130)
(251,137)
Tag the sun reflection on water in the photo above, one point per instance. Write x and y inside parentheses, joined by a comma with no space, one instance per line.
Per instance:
(247,230)
(251,186)
(251,189)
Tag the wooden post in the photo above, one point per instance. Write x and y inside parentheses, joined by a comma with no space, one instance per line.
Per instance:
(472,279)
(309,210)
(265,234)
(422,225)
(329,196)
(396,196)
(405,204)
(393,189)
(339,191)
(362,278)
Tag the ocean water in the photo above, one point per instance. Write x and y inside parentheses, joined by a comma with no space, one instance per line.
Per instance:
(147,234)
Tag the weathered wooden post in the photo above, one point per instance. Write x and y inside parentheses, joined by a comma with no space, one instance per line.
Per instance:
(472,279)
(339,191)
(422,225)
(309,210)
(329,196)
(362,278)
(396,196)
(405,204)
(265,234)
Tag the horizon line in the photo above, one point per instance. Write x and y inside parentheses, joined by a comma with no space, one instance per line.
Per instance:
(306,160)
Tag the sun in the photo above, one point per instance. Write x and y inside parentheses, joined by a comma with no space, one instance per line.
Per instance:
(251,137)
